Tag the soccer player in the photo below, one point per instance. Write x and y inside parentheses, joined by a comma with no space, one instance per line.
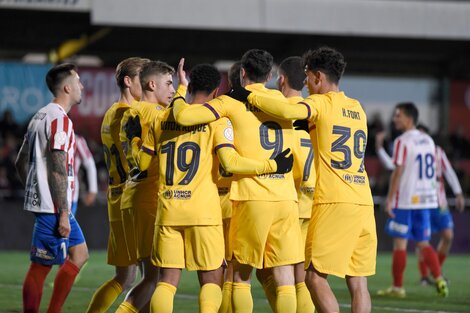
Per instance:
(412,194)
(188,231)
(139,200)
(45,166)
(83,157)
(441,219)
(264,230)
(127,78)
(290,81)
(341,238)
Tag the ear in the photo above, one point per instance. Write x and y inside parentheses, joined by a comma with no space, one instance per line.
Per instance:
(213,95)
(127,81)
(66,88)
(270,75)
(319,76)
(152,85)
(282,79)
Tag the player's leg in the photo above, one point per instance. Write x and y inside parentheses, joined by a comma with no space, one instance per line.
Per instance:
(162,298)
(65,277)
(320,291)
(241,297)
(304,301)
(210,295)
(360,297)
(226,306)
(266,279)
(286,300)
(445,242)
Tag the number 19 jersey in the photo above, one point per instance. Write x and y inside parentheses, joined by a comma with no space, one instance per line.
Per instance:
(415,151)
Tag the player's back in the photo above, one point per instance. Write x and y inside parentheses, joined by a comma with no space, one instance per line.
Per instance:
(415,151)
(339,140)
(304,172)
(259,136)
(187,172)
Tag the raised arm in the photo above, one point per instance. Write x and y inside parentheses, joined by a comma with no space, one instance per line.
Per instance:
(194,114)
(58,183)
(453,181)
(22,161)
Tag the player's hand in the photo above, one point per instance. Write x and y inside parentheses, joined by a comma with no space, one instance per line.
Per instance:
(284,162)
(133,128)
(238,93)
(459,202)
(90,198)
(64,224)
(389,208)
(379,140)
(181,73)
(301,125)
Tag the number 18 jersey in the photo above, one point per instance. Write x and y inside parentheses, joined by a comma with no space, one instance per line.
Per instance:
(415,151)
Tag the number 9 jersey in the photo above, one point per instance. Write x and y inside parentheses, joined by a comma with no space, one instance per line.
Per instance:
(339,143)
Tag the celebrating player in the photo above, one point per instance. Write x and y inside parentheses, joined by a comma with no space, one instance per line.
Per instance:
(45,166)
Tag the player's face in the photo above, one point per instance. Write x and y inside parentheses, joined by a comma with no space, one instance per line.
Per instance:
(135,88)
(400,120)
(76,88)
(164,90)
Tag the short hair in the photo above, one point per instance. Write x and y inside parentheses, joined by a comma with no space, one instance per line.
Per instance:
(326,60)
(234,75)
(203,78)
(154,68)
(257,64)
(409,109)
(129,67)
(293,69)
(56,76)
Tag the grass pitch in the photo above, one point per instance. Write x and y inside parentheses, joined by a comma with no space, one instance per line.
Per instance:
(419,299)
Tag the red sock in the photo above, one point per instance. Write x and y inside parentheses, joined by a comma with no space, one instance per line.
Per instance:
(33,285)
(398,267)
(423,268)
(62,284)
(432,261)
(442,257)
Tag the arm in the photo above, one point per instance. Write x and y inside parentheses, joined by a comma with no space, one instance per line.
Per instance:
(22,160)
(141,155)
(90,168)
(194,114)
(385,159)
(453,181)
(234,163)
(280,108)
(59,183)
(394,184)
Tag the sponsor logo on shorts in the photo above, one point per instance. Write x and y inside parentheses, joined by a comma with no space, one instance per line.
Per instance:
(41,253)
(177,194)
(399,228)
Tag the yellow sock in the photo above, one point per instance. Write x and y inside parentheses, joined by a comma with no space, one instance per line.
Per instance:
(242,300)
(226,306)
(304,301)
(104,296)
(127,307)
(269,287)
(210,298)
(162,299)
(286,300)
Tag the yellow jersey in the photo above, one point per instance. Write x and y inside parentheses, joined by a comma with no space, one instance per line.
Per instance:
(339,143)
(188,170)
(224,181)
(257,136)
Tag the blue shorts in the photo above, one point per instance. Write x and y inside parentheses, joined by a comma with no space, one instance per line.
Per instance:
(48,247)
(74,207)
(410,224)
(440,220)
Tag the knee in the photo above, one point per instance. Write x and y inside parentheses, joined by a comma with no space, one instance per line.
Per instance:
(447,236)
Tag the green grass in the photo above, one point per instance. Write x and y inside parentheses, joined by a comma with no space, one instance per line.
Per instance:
(419,299)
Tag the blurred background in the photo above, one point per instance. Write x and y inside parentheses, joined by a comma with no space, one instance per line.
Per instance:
(396,50)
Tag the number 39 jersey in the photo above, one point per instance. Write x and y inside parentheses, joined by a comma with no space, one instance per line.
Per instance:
(188,170)
(338,130)
(415,151)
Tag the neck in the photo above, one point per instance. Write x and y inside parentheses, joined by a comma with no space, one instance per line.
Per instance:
(200,98)
(63,102)
(329,87)
(410,127)
(289,92)
(126,97)
(247,82)
(149,96)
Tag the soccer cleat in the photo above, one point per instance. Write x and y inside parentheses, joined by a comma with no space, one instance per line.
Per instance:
(426,281)
(394,292)
(441,287)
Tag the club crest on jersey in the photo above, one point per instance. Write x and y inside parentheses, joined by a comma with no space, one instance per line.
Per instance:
(228,133)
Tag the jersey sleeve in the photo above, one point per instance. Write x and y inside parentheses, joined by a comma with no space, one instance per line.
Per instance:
(193,114)
(230,159)
(89,164)
(385,159)
(449,174)
(60,131)
(399,152)
(281,108)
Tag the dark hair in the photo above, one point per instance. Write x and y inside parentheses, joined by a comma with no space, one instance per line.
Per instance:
(128,67)
(326,60)
(423,128)
(409,109)
(154,68)
(203,78)
(294,71)
(56,75)
(257,64)
(234,75)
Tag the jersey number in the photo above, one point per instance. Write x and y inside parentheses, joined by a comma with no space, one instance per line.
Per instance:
(308,162)
(267,144)
(189,167)
(115,153)
(339,145)
(426,165)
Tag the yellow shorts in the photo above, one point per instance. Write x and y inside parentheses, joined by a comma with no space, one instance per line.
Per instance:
(128,225)
(303,222)
(226,205)
(226,226)
(196,248)
(144,228)
(265,234)
(342,240)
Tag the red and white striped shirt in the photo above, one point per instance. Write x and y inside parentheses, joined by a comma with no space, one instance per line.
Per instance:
(444,169)
(84,157)
(415,151)
(49,129)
